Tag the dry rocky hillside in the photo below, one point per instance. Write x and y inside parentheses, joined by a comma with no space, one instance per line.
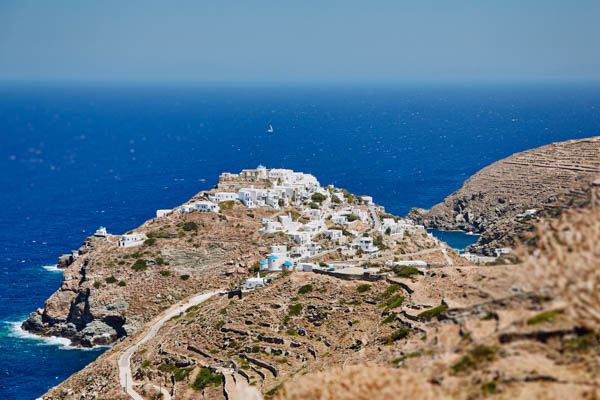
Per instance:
(447,329)
(548,179)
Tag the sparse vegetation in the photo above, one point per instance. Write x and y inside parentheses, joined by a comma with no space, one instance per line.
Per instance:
(97,284)
(405,271)
(397,335)
(206,378)
(150,242)
(365,287)
(165,272)
(318,197)
(489,387)
(475,358)
(190,226)
(545,317)
(111,279)
(184,277)
(295,310)
(584,343)
(226,205)
(390,318)
(433,312)
(305,289)
(392,302)
(140,265)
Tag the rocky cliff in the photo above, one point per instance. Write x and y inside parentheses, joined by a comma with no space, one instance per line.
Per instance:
(547,179)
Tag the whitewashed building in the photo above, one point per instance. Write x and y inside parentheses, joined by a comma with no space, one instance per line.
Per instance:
(255,282)
(366,244)
(333,234)
(131,240)
(162,213)
(205,206)
(223,196)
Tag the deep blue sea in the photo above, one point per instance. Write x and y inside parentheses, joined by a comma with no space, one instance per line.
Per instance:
(73,158)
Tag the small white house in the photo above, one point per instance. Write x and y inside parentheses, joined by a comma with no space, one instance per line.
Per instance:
(162,213)
(366,244)
(185,209)
(223,196)
(339,219)
(255,282)
(306,267)
(134,239)
(333,234)
(367,199)
(206,206)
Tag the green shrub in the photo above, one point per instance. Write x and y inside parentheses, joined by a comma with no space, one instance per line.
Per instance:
(305,289)
(111,279)
(476,356)
(146,364)
(390,318)
(206,378)
(295,309)
(390,290)
(545,317)
(365,287)
(182,373)
(122,283)
(97,285)
(295,215)
(165,272)
(397,335)
(434,312)
(313,206)
(318,197)
(184,277)
(584,343)
(190,226)
(150,242)
(159,235)
(405,271)
(291,332)
(167,367)
(489,387)
(140,265)
(160,261)
(392,302)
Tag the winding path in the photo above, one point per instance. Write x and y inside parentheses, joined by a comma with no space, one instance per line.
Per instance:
(124,362)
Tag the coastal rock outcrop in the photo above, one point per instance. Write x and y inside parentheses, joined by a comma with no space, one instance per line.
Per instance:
(494,201)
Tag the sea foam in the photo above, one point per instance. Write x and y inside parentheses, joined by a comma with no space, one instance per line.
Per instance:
(15,330)
(52,268)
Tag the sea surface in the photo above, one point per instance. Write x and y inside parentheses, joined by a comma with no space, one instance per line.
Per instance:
(74,157)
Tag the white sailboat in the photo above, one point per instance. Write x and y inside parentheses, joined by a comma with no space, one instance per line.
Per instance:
(270,130)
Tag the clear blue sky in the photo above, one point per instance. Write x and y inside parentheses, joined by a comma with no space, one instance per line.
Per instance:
(302,40)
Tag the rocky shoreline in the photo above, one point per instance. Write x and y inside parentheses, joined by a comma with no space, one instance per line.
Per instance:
(75,320)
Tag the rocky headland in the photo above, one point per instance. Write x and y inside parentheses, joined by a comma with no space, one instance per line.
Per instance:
(494,201)
(410,309)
